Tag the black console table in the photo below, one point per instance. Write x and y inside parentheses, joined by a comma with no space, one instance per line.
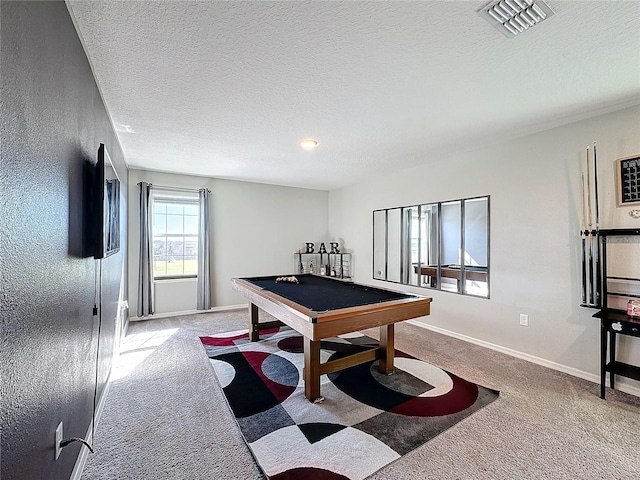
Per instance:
(612,321)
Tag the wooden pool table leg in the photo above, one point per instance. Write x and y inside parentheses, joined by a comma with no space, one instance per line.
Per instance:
(254,329)
(311,372)
(385,363)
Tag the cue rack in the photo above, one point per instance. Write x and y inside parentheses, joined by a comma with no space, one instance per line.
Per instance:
(590,234)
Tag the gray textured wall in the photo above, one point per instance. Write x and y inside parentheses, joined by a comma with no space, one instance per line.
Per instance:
(52,123)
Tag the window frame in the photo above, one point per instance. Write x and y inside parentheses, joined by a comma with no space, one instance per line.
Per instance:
(177,198)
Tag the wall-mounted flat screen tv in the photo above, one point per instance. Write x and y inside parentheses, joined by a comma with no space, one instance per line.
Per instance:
(107,202)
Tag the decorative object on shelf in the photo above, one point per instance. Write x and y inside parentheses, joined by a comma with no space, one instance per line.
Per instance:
(628,180)
(589,235)
(331,263)
(310,248)
(633,308)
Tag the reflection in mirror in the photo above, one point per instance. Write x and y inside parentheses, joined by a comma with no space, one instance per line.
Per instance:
(394,244)
(429,246)
(476,246)
(410,252)
(451,246)
(380,244)
(439,245)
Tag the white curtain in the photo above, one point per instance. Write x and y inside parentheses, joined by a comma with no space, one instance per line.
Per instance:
(204,277)
(145,269)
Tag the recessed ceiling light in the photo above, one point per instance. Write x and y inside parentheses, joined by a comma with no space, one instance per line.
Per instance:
(308,143)
(512,17)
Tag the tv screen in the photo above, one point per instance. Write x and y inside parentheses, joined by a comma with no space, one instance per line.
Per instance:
(108,206)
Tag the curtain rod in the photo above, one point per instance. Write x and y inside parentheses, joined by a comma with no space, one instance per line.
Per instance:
(185,189)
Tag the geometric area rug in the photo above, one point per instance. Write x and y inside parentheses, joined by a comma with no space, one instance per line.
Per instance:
(366,421)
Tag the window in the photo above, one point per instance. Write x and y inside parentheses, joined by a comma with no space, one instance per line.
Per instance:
(443,245)
(175,235)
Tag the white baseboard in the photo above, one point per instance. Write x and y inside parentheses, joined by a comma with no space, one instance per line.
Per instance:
(227,308)
(620,385)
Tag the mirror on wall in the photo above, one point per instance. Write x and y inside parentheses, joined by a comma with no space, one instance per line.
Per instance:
(442,245)
(380,244)
(394,245)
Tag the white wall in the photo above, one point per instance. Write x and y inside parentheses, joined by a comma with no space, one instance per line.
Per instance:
(534,183)
(256,229)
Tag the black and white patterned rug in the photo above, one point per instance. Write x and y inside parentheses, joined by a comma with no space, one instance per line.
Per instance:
(366,421)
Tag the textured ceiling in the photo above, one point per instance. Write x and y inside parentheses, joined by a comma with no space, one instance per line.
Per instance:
(227,89)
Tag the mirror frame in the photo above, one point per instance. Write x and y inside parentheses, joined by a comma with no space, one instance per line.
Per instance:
(405,253)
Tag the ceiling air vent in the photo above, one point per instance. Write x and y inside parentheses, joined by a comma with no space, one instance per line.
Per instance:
(512,17)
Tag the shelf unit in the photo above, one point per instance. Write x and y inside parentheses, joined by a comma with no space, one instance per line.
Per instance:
(614,321)
(336,265)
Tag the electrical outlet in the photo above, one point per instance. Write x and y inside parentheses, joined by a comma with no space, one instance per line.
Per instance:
(58,440)
(524,320)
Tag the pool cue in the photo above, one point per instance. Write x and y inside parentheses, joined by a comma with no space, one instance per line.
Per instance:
(584,245)
(590,225)
(597,233)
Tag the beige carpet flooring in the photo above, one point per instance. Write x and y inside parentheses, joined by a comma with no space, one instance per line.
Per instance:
(165,416)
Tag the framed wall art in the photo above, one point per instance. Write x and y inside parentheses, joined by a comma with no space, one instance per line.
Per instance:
(628,177)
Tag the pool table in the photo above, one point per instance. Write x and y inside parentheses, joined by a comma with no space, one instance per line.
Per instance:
(320,307)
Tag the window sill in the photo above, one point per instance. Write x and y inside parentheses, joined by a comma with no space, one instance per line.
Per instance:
(175,279)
